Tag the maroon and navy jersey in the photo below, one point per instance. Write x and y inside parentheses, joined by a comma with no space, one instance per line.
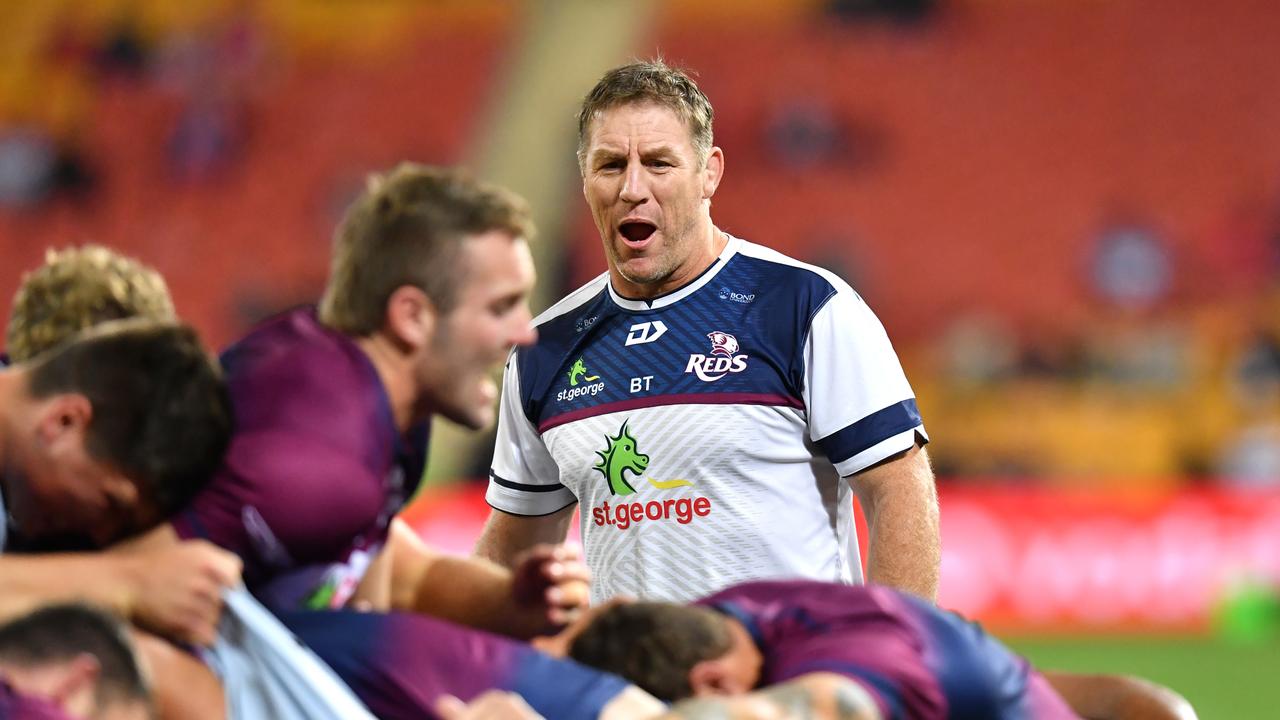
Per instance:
(400,664)
(16,706)
(316,469)
(915,660)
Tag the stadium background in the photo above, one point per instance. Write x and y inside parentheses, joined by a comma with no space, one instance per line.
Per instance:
(1067,213)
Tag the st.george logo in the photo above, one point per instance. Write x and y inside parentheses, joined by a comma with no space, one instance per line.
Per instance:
(581,383)
(619,456)
(579,370)
(724,358)
(645,332)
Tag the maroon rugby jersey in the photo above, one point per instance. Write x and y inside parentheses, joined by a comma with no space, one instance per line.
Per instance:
(316,469)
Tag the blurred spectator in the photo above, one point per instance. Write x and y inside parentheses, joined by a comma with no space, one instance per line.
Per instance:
(206,138)
(804,132)
(1146,354)
(212,71)
(123,54)
(1131,266)
(28,159)
(977,350)
(903,11)
(1256,374)
(1252,457)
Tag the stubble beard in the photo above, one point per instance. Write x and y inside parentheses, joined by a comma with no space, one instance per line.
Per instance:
(663,265)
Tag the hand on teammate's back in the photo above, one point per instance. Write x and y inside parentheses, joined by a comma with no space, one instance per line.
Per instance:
(492,705)
(177,589)
(554,577)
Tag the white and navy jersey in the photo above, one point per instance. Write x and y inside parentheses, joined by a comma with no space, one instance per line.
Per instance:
(704,432)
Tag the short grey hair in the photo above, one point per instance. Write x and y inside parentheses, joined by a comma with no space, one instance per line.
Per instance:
(649,81)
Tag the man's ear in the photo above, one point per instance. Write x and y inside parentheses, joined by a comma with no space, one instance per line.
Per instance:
(411,317)
(63,417)
(74,691)
(714,677)
(713,173)
(123,491)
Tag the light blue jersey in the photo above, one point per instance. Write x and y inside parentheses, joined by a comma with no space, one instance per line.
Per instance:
(267,673)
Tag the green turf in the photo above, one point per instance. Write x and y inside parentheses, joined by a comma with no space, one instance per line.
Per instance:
(1224,681)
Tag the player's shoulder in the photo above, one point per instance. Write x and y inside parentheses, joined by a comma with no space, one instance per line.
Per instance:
(563,312)
(779,267)
(796,591)
(565,321)
(293,360)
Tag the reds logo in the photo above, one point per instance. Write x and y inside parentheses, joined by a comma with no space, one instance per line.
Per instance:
(723,343)
(724,358)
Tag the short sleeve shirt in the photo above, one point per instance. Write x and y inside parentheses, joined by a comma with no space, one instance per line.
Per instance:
(704,433)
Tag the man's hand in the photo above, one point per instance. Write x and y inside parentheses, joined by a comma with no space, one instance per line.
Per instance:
(555,578)
(176,590)
(492,705)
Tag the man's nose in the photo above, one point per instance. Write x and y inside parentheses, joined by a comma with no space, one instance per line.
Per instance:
(635,185)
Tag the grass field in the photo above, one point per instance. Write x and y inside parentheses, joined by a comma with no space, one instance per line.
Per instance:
(1223,681)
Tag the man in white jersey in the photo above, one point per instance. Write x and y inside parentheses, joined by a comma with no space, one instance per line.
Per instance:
(708,403)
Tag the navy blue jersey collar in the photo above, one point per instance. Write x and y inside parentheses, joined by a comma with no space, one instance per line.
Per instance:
(675,296)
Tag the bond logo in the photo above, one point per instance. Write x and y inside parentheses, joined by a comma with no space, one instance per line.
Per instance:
(724,358)
(578,383)
(727,294)
(645,332)
(622,455)
(583,323)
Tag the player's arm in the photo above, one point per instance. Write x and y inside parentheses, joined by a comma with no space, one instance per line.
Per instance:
(900,502)
(545,590)
(530,506)
(505,536)
(1119,697)
(821,696)
(173,589)
(862,413)
(631,704)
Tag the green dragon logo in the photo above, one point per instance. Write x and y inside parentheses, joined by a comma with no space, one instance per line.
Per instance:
(579,370)
(620,456)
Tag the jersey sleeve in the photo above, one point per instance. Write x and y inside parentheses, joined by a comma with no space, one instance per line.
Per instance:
(861,408)
(523,479)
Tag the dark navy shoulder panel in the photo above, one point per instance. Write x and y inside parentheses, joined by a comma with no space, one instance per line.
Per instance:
(787,299)
(558,338)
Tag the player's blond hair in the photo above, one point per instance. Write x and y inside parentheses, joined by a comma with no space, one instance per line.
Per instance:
(407,228)
(77,288)
(651,81)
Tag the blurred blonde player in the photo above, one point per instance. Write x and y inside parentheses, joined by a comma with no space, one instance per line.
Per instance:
(77,288)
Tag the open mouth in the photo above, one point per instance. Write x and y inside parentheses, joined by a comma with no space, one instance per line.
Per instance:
(637,231)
